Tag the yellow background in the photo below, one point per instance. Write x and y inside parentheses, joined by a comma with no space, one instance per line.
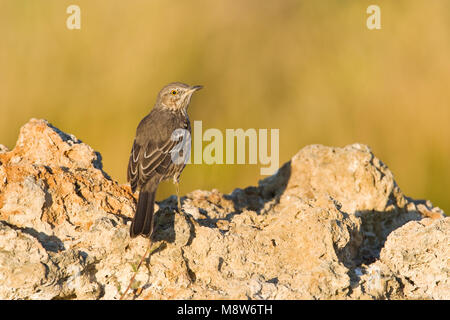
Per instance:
(310,68)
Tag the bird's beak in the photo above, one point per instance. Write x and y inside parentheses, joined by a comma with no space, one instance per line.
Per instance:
(195,88)
(188,94)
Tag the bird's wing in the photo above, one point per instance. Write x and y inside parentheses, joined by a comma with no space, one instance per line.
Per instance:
(151,159)
(179,154)
(132,172)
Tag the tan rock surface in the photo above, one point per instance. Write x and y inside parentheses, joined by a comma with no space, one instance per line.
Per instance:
(331,224)
(419,255)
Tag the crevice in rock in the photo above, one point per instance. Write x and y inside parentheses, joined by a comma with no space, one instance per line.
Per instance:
(376,227)
(50,243)
(190,272)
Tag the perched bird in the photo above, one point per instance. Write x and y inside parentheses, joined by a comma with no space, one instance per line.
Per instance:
(160,150)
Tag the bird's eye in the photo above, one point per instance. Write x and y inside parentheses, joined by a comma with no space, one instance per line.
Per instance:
(174,92)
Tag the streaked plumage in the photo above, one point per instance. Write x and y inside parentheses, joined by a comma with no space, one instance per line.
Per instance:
(151,155)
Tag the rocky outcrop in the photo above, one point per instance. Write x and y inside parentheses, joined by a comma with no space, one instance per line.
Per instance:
(330,224)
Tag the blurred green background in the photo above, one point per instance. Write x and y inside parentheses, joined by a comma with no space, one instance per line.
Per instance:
(310,68)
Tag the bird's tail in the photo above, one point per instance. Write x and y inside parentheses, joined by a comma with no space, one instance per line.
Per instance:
(143,219)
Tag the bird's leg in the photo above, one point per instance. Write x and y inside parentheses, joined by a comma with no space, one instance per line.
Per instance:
(177,187)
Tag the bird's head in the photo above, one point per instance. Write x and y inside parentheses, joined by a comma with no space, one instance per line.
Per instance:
(176,95)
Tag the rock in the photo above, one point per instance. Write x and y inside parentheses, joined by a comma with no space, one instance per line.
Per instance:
(418,254)
(330,224)
(3,149)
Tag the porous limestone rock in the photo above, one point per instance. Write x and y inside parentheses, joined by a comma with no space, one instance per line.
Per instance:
(330,224)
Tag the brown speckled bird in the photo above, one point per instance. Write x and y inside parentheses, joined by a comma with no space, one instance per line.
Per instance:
(157,152)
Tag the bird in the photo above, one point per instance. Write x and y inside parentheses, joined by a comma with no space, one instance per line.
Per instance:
(160,151)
